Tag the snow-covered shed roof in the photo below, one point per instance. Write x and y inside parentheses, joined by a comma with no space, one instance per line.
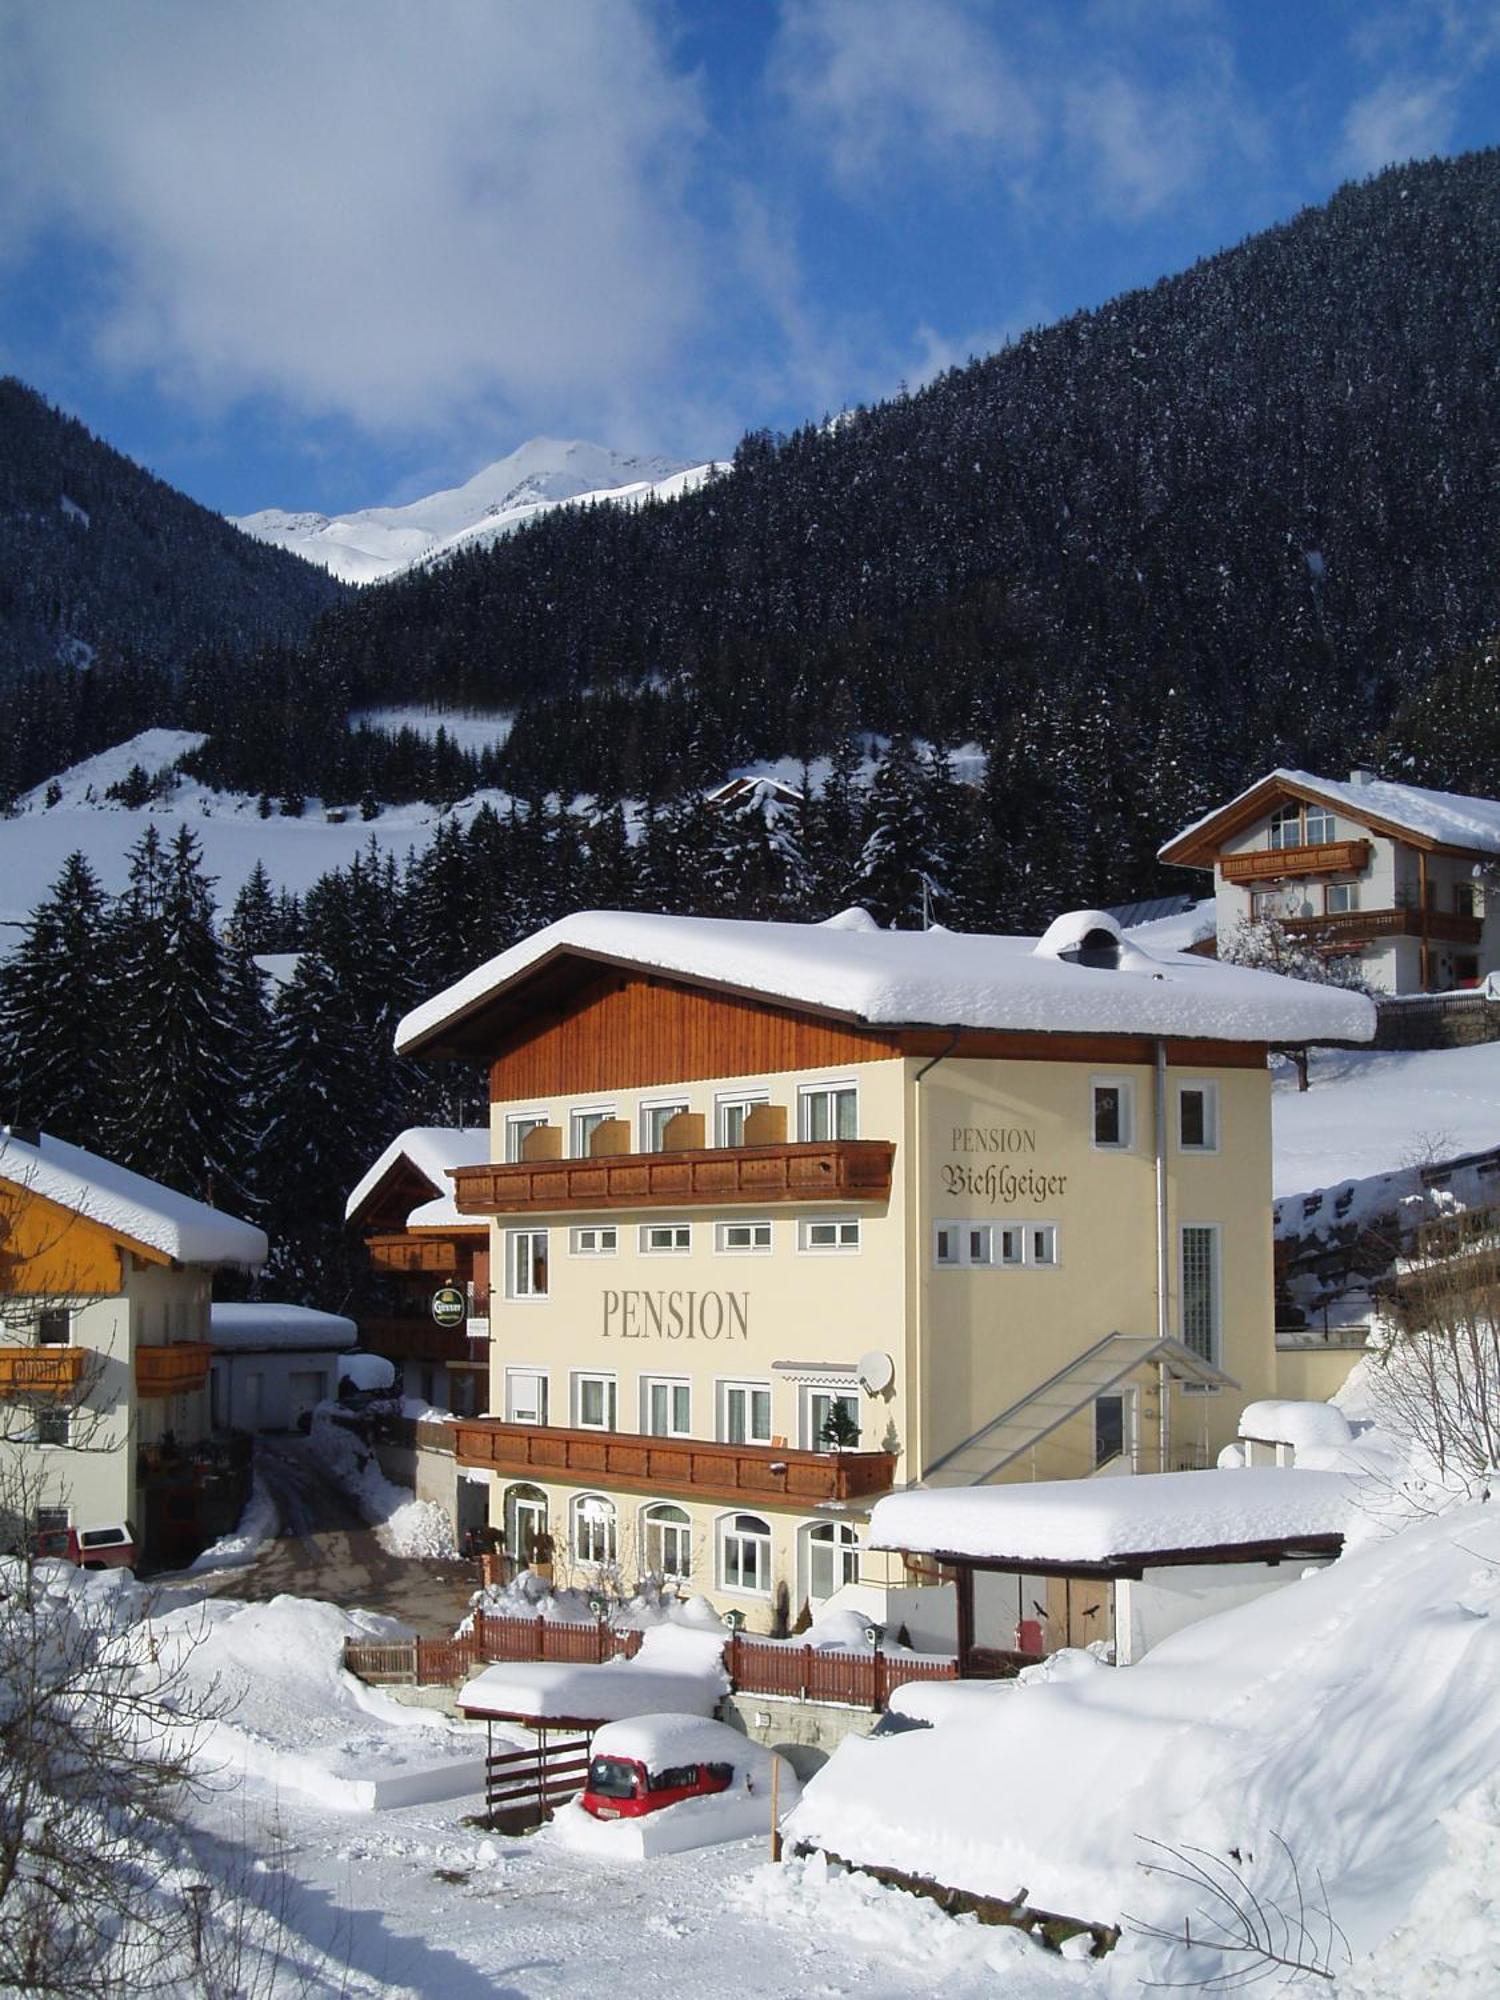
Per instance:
(676,1672)
(127,1204)
(433,1150)
(896,979)
(1429,819)
(1115,1523)
(263,1324)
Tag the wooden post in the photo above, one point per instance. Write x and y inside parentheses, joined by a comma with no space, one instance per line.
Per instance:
(775,1807)
(964,1586)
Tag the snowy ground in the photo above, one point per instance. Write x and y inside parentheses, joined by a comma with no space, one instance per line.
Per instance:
(1370,1111)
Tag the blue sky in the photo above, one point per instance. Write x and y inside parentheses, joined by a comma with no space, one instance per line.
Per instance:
(325,256)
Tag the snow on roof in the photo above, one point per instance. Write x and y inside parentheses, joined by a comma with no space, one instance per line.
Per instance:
(676,1672)
(432,1150)
(188,1231)
(1451,818)
(658,1741)
(938,978)
(266,1324)
(1279,1420)
(1106,1520)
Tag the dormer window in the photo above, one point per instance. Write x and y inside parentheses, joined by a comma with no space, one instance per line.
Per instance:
(1301,826)
(1099,948)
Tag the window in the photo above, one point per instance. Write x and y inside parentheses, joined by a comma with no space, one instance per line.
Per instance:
(595,1405)
(655,1119)
(526,1537)
(1012,1243)
(745,1554)
(827,1111)
(595,1239)
(525,1396)
(742,1237)
(53,1427)
(744,1413)
(1114,1113)
(1109,1428)
(957,1243)
(54,1327)
(1200,1288)
(666,1407)
(1465,902)
(1198,1117)
(518,1128)
(832,1559)
(1267,906)
(730,1114)
(666,1239)
(526,1263)
(838,1233)
(1041,1242)
(583,1125)
(1318,824)
(1339,897)
(831,1419)
(594,1538)
(1286,827)
(669,1543)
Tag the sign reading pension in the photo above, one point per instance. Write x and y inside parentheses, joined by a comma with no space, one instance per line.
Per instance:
(1003,1185)
(684,1315)
(449,1306)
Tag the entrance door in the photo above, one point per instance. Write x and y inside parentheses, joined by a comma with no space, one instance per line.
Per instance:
(525,1523)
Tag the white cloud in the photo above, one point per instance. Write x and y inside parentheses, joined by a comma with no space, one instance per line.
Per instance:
(1403,118)
(880,83)
(386,213)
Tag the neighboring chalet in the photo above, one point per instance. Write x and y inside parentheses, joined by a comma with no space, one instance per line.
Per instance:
(421,1246)
(770,794)
(786,1216)
(1406,881)
(104,1351)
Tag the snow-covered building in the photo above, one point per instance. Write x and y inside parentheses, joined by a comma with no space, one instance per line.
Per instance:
(787,1216)
(424,1250)
(273,1364)
(104,1348)
(1402,879)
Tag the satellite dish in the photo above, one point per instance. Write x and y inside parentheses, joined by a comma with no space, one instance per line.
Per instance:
(876,1371)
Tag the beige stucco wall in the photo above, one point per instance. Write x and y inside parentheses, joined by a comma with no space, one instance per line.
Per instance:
(1314,1374)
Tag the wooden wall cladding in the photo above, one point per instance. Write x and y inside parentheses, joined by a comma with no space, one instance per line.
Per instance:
(620,1033)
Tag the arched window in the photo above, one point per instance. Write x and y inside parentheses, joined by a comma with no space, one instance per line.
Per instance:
(594,1538)
(745,1554)
(832,1559)
(669,1542)
(526,1536)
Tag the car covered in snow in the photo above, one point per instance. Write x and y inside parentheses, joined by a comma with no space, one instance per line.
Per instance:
(679,1781)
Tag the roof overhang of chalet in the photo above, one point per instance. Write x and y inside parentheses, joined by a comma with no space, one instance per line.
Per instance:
(66,1215)
(1199,845)
(413,1174)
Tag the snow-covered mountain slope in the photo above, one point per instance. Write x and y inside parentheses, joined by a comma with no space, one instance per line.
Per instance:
(375,542)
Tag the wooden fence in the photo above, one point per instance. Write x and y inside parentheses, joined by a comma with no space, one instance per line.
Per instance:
(521,1787)
(754,1666)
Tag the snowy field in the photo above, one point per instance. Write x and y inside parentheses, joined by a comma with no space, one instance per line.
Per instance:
(1371,1111)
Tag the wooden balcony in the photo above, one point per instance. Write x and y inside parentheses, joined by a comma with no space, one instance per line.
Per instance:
(1348,929)
(1276,864)
(838,1170)
(41,1371)
(435,1256)
(423,1340)
(694,1468)
(172,1371)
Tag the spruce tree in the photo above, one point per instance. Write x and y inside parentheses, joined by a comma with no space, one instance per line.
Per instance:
(54,1007)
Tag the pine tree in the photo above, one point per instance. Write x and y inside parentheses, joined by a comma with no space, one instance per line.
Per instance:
(54,1006)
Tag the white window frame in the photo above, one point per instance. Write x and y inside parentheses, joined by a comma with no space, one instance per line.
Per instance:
(1052,1235)
(673,1249)
(514,1137)
(43,1313)
(842,1542)
(727,1529)
(845,1244)
(600,1113)
(829,1392)
(579,1246)
(1210,1090)
(597,1509)
(516,1291)
(749,1388)
(1125,1085)
(755,1224)
(968,1245)
(809,1093)
(1347,894)
(681,1532)
(1324,818)
(675,1386)
(1280,819)
(517,1373)
(735,1100)
(1215,1234)
(650,1108)
(610,1382)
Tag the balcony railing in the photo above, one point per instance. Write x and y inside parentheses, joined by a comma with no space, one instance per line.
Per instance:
(1276,864)
(1348,927)
(423,1340)
(839,1170)
(172,1371)
(694,1467)
(438,1255)
(40,1371)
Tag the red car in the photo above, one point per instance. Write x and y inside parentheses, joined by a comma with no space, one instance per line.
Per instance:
(91,1548)
(653,1761)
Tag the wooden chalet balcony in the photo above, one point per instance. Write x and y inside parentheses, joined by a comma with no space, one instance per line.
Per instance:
(692,1467)
(1351,927)
(41,1371)
(839,1170)
(1274,864)
(434,1255)
(172,1371)
(423,1340)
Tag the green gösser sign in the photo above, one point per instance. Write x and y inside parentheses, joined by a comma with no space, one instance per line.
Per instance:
(449,1306)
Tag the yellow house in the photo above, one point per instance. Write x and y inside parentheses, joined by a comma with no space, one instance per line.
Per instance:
(787,1216)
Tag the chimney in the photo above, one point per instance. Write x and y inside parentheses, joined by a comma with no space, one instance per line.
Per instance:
(1361,777)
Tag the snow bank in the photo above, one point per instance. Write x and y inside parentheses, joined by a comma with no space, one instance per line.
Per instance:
(257,1525)
(406,1526)
(264,1324)
(1369,1112)
(900,978)
(188,1231)
(1101,1520)
(1280,1420)
(676,1671)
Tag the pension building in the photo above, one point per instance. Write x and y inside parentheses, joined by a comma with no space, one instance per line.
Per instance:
(784,1217)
